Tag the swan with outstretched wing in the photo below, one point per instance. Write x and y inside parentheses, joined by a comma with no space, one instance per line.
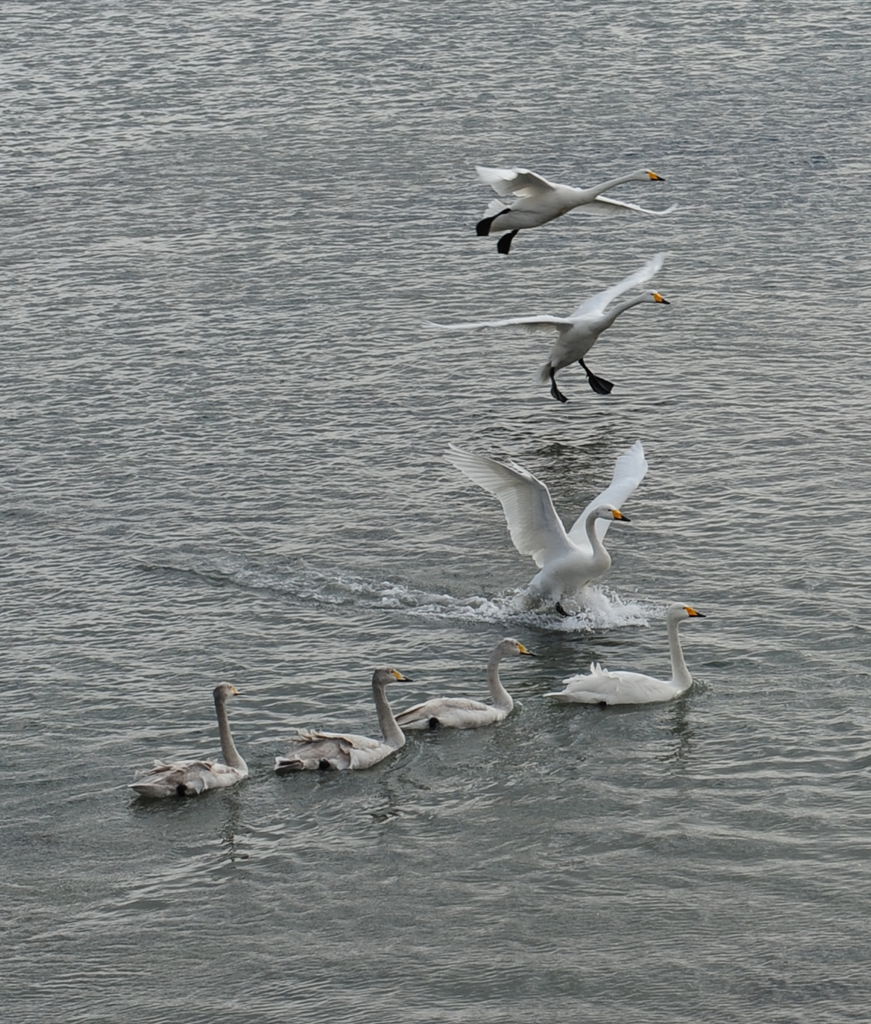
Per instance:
(538,201)
(567,559)
(580,330)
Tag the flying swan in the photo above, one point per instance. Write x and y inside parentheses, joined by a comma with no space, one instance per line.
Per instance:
(602,687)
(540,200)
(578,332)
(461,712)
(190,778)
(311,750)
(569,560)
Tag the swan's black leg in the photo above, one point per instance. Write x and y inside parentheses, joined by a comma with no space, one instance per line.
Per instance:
(433,723)
(483,226)
(554,390)
(504,243)
(561,610)
(598,384)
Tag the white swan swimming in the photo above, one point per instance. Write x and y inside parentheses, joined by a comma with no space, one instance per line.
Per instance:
(569,560)
(311,750)
(189,778)
(540,200)
(603,687)
(462,712)
(579,331)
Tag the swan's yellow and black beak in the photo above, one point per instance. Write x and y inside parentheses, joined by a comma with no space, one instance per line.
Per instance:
(524,650)
(658,297)
(617,514)
(399,677)
(693,614)
(654,176)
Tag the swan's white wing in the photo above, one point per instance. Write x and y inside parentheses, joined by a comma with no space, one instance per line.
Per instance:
(348,740)
(596,304)
(531,321)
(619,687)
(313,749)
(451,713)
(514,180)
(533,524)
(440,703)
(604,205)
(629,471)
(186,778)
(361,751)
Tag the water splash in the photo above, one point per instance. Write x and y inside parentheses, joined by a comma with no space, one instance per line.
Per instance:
(299,581)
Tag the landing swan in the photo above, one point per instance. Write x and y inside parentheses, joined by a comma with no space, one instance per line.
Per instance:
(189,778)
(567,560)
(578,332)
(311,750)
(602,687)
(540,200)
(461,712)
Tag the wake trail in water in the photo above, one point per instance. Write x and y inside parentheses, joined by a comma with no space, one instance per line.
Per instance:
(309,584)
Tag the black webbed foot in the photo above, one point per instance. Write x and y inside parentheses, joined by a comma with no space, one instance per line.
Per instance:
(504,243)
(434,723)
(561,610)
(598,384)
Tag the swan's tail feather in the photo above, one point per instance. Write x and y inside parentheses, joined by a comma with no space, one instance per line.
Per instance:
(544,373)
(495,207)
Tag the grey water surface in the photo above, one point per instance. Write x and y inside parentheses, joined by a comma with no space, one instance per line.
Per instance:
(223,224)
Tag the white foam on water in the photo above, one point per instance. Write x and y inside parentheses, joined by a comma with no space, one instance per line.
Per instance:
(597,608)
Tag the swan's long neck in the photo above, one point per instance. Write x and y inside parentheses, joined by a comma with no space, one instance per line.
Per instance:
(596,190)
(393,735)
(501,697)
(232,757)
(600,555)
(679,671)
(621,307)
